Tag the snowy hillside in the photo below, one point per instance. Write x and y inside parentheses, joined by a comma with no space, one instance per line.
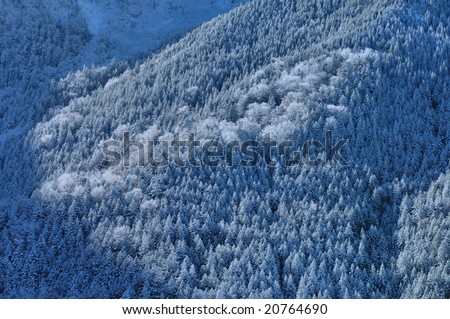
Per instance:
(119,29)
(370,222)
(124,28)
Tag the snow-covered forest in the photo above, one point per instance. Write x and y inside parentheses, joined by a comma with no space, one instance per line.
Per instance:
(374,72)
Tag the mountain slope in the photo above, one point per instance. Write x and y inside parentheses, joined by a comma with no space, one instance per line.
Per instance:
(45,46)
(373,72)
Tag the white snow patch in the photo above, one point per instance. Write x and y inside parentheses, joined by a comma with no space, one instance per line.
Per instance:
(151,134)
(354,57)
